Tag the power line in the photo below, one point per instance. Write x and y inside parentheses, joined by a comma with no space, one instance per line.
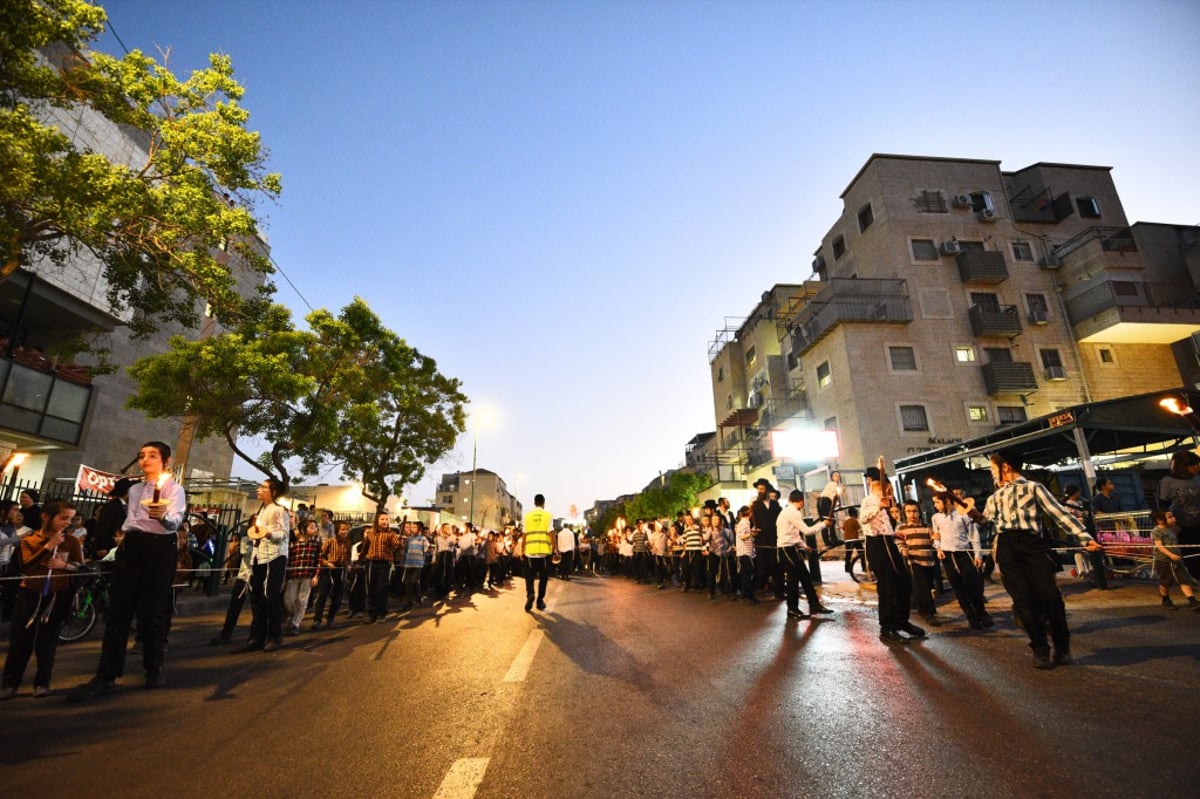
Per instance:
(279,269)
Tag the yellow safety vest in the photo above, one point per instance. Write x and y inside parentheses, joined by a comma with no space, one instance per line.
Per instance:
(537,533)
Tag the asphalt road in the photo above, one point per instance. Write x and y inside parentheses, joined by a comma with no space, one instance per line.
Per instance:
(624,690)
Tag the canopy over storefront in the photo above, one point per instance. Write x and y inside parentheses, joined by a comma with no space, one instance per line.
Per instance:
(1137,427)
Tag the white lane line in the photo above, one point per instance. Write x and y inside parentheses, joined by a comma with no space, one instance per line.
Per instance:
(462,779)
(520,666)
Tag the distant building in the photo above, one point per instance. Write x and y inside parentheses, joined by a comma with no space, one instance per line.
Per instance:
(494,506)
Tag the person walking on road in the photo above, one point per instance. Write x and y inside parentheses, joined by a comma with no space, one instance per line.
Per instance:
(793,555)
(1027,564)
(892,580)
(540,545)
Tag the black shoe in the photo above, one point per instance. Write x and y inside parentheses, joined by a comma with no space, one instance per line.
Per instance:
(932,620)
(1063,657)
(1167,603)
(796,614)
(529,605)
(820,610)
(986,621)
(91,689)
(976,624)
(1041,659)
(316,625)
(218,640)
(541,604)
(272,646)
(892,638)
(155,679)
(911,629)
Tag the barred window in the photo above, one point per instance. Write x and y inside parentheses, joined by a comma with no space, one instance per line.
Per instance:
(1010,414)
(931,201)
(904,359)
(925,250)
(913,418)
(1022,251)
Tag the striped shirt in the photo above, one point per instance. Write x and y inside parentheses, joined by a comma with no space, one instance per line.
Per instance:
(335,553)
(1019,505)
(274,520)
(916,544)
(414,551)
(692,540)
(303,558)
(745,539)
(641,541)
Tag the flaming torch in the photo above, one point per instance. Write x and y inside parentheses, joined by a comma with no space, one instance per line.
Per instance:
(1175,406)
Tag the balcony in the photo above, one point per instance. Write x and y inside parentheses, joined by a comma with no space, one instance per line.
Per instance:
(982,266)
(849,300)
(1135,312)
(1014,377)
(43,402)
(1002,321)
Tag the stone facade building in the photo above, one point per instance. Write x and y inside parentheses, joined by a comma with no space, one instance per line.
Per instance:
(494,506)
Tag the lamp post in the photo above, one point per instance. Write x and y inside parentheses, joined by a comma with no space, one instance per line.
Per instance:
(474,465)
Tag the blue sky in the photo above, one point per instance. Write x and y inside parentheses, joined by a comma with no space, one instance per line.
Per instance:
(562,201)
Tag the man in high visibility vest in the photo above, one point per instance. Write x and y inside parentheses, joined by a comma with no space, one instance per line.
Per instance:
(540,545)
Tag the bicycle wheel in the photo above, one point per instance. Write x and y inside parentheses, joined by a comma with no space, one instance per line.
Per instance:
(79,621)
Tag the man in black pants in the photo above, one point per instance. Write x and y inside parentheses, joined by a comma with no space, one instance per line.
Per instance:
(892,580)
(1027,564)
(763,512)
(142,574)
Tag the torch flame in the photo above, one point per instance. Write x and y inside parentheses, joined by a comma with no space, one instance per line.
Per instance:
(1175,406)
(935,485)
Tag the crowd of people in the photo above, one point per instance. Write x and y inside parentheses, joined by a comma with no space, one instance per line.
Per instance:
(288,564)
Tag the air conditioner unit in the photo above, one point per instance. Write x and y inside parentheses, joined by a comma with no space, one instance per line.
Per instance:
(818,263)
(1056,373)
(961,201)
(986,215)
(754,400)
(951,247)
(1050,261)
(1038,317)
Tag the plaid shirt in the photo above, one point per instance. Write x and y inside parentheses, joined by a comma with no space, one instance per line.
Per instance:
(380,546)
(302,562)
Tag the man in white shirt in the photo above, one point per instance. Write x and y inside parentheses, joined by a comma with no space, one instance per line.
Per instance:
(893,582)
(793,551)
(566,547)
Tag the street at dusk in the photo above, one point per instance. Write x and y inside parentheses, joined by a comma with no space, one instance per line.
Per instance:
(624,690)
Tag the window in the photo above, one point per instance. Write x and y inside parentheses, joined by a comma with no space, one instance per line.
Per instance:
(1036,303)
(903,359)
(823,376)
(865,217)
(931,201)
(1022,251)
(793,361)
(981,201)
(1051,359)
(998,354)
(970,246)
(986,301)
(751,354)
(839,247)
(729,402)
(1106,355)
(977,413)
(913,419)
(448,499)
(924,250)
(1124,288)
(831,424)
(964,354)
(720,374)
(1088,207)
(1010,414)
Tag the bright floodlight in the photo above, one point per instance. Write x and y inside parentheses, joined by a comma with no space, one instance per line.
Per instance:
(808,445)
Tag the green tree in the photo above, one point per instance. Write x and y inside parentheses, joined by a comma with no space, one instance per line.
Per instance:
(161,226)
(348,390)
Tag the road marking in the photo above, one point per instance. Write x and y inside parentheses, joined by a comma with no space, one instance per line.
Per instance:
(462,779)
(520,666)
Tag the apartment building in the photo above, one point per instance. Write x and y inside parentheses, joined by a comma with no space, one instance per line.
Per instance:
(480,496)
(952,297)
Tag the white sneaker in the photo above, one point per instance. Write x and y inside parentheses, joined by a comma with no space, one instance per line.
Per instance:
(40,691)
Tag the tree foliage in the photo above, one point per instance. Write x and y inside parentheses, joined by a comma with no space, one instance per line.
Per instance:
(163,224)
(674,493)
(346,390)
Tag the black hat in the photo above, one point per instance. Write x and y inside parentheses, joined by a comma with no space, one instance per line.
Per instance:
(762,481)
(1012,456)
(872,473)
(711,504)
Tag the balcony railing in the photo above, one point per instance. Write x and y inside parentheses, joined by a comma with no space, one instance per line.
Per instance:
(1015,377)
(850,300)
(978,266)
(1112,239)
(42,403)
(1159,299)
(1004,321)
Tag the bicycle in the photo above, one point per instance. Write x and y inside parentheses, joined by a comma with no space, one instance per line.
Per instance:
(89,602)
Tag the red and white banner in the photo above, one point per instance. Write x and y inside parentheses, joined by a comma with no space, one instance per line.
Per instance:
(90,479)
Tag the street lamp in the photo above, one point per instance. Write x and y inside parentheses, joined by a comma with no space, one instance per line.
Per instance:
(482,417)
